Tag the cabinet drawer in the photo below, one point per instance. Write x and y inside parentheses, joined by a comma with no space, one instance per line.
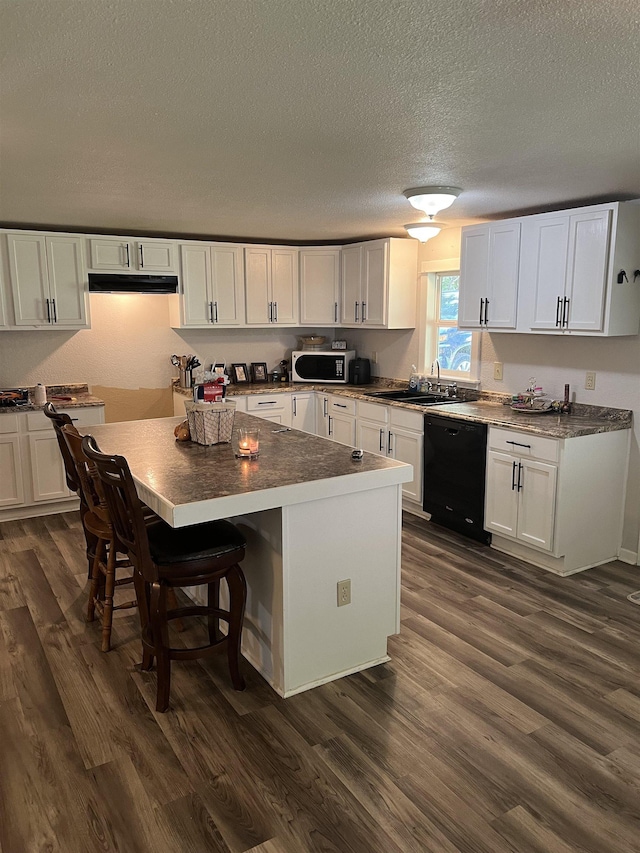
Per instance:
(81,417)
(524,444)
(262,402)
(342,405)
(8,423)
(406,418)
(373,412)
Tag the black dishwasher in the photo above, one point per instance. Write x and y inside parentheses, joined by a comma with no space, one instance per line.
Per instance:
(454,474)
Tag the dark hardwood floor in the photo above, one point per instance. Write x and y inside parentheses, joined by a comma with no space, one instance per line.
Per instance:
(507,720)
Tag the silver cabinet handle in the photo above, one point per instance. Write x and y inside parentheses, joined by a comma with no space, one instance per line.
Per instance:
(128,264)
(513,476)
(141,258)
(381,440)
(275,312)
(335,312)
(356,313)
(517,444)
(364,312)
(48,312)
(565,312)
(390,448)
(295,408)
(340,405)
(330,431)
(325,411)
(211,312)
(486,312)
(267,402)
(271,312)
(519,475)
(215,311)
(481,309)
(55,311)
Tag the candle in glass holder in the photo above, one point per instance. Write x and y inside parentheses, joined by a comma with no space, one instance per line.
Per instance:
(248,443)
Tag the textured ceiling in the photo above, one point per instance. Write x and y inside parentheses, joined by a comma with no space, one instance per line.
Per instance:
(305,120)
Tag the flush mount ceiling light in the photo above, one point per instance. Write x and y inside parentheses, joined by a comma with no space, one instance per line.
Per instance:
(424,231)
(431,200)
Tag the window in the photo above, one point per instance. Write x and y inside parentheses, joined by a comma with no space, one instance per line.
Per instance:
(456,350)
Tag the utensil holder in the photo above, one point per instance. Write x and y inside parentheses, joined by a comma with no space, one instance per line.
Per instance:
(186,379)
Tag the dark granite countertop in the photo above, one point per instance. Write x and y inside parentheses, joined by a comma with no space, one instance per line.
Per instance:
(71,396)
(480,407)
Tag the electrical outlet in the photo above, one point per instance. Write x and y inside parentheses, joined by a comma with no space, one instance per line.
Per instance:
(590,380)
(374,357)
(497,371)
(344,592)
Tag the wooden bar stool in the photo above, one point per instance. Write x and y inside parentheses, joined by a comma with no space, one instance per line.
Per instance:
(97,522)
(165,558)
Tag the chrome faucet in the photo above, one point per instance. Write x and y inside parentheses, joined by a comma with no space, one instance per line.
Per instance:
(437,364)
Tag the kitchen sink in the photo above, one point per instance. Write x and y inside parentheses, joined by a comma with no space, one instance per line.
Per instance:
(416,399)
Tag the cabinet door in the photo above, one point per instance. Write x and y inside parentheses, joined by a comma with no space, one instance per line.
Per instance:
(303,412)
(350,289)
(11,490)
(258,286)
(548,242)
(342,428)
(501,497)
(504,259)
(406,446)
(374,283)
(196,274)
(67,281)
(284,286)
(3,308)
(319,287)
(29,279)
(47,468)
(155,256)
(322,415)
(587,269)
(226,280)
(537,498)
(372,437)
(112,255)
(474,270)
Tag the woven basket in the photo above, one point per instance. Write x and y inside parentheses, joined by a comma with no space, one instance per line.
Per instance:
(210,423)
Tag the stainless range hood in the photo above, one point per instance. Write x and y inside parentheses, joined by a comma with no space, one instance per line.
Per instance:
(128,283)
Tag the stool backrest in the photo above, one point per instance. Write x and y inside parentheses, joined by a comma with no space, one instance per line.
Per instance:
(60,419)
(90,484)
(125,509)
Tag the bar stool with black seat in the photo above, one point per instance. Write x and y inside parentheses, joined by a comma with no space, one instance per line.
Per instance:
(97,522)
(165,558)
(58,420)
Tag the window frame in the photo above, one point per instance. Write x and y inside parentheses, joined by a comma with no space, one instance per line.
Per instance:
(428,349)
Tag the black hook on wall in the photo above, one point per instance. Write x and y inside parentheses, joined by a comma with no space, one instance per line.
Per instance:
(622,276)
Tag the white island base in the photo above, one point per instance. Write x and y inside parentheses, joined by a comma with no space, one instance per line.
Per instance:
(294,633)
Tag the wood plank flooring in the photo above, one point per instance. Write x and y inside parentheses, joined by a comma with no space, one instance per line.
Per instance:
(508,720)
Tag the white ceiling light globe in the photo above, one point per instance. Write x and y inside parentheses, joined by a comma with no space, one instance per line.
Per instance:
(432,199)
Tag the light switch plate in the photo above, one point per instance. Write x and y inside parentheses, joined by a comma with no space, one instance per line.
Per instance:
(497,371)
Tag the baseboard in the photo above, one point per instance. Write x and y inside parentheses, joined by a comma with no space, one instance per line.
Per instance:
(628,556)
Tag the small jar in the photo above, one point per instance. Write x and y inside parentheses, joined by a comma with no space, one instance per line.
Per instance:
(40,394)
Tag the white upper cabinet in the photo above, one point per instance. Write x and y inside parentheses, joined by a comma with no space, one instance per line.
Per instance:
(48,280)
(489,261)
(320,286)
(566,272)
(211,291)
(271,286)
(4,317)
(153,256)
(379,280)
(567,257)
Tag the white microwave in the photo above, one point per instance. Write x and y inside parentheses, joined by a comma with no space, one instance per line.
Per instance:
(321,365)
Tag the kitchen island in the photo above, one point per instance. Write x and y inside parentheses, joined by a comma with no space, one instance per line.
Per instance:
(312,516)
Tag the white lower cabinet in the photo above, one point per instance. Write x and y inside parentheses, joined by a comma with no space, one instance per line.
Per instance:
(303,411)
(33,477)
(556,503)
(271,407)
(396,433)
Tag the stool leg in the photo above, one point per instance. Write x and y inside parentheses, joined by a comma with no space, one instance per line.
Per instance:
(213,622)
(237,600)
(95,581)
(109,588)
(160,631)
(142,595)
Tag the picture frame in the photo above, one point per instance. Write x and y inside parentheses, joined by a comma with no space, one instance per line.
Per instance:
(239,374)
(259,371)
